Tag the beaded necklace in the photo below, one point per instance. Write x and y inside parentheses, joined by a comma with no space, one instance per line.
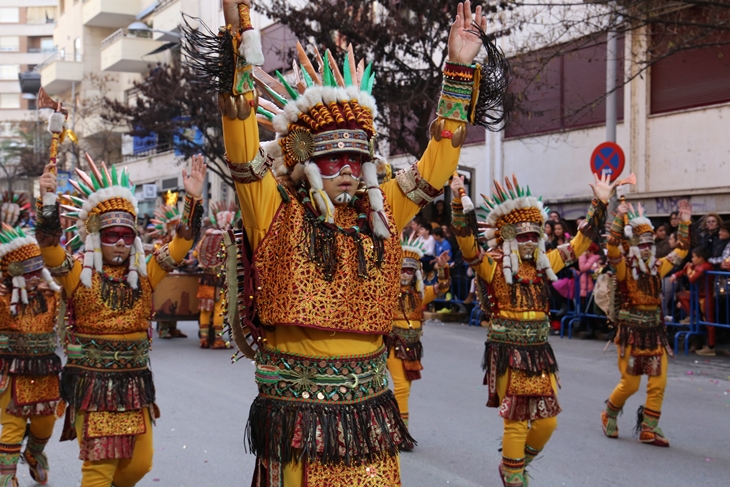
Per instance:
(116,293)
(321,238)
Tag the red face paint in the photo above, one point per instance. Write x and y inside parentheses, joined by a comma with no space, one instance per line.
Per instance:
(331,166)
(527,237)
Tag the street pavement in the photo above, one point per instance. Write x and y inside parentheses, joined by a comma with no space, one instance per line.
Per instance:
(204,401)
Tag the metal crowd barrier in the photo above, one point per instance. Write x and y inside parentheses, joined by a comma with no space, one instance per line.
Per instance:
(577,311)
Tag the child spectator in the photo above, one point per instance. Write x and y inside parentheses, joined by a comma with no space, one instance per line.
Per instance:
(695,271)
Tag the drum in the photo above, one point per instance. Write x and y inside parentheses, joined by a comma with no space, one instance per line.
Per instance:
(210,249)
(175,298)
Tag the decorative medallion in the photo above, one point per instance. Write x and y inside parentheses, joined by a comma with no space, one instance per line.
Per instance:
(508,232)
(93,223)
(16,269)
(299,145)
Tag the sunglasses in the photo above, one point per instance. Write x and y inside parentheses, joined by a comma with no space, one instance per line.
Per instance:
(527,237)
(112,237)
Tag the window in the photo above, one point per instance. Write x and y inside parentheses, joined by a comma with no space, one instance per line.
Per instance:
(47,44)
(9,15)
(10,43)
(691,77)
(40,15)
(563,90)
(77,49)
(9,71)
(9,100)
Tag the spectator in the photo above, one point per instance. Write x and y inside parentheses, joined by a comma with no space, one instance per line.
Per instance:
(566,229)
(440,215)
(559,236)
(661,241)
(413,228)
(554,216)
(673,221)
(451,238)
(442,245)
(429,248)
(721,255)
(709,230)
(587,265)
(694,271)
(549,234)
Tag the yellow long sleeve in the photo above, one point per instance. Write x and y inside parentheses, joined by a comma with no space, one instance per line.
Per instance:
(179,248)
(579,244)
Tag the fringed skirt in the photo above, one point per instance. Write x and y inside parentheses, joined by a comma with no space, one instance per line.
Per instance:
(109,381)
(645,336)
(406,344)
(517,352)
(334,414)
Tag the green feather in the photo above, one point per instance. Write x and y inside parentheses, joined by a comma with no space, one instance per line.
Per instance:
(265,113)
(371,82)
(346,71)
(125,178)
(307,79)
(94,181)
(104,179)
(528,191)
(72,228)
(85,189)
(292,92)
(366,77)
(328,78)
(276,96)
(115,178)
(72,214)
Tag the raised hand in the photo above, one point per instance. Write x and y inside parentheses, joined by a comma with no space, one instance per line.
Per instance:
(463,44)
(685,211)
(193,182)
(457,183)
(443,259)
(602,187)
(230,12)
(48,181)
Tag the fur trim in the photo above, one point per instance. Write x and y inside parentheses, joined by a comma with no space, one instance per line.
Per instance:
(324,205)
(56,122)
(467,204)
(378,218)
(49,199)
(419,282)
(506,262)
(250,47)
(49,280)
(139,255)
(99,197)
(88,262)
(15,244)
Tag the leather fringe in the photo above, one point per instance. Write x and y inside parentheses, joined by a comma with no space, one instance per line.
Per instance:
(643,338)
(287,431)
(107,391)
(530,359)
(35,366)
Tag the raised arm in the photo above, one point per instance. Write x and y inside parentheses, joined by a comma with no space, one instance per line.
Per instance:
(443,272)
(168,257)
(415,187)
(676,256)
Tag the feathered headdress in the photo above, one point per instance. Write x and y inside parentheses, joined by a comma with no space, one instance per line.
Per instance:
(326,111)
(511,212)
(167,217)
(107,200)
(224,216)
(14,208)
(639,230)
(413,251)
(19,256)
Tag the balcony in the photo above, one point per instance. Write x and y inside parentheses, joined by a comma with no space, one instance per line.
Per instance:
(125,52)
(109,13)
(60,71)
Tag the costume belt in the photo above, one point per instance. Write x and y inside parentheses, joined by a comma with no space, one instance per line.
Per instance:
(90,351)
(24,344)
(640,318)
(519,332)
(408,335)
(323,380)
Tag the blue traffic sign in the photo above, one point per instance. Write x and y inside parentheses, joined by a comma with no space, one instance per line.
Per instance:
(608,158)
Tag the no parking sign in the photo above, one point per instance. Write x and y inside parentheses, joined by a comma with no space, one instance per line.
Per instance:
(608,158)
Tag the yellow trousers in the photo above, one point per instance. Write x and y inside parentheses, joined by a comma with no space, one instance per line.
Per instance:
(123,472)
(14,426)
(215,316)
(629,384)
(519,435)
(401,385)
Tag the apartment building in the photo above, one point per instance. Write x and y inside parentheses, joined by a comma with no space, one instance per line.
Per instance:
(102,48)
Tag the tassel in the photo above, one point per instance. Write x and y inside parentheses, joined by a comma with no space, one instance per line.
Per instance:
(419,282)
(14,298)
(49,280)
(49,199)
(141,264)
(23,290)
(98,257)
(506,263)
(514,255)
(375,195)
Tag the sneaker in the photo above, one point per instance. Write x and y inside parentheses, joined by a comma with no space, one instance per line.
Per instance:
(706,351)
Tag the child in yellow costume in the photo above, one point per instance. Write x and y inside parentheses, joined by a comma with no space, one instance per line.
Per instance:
(210,284)
(643,347)
(326,257)
(106,381)
(512,281)
(29,382)
(404,341)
